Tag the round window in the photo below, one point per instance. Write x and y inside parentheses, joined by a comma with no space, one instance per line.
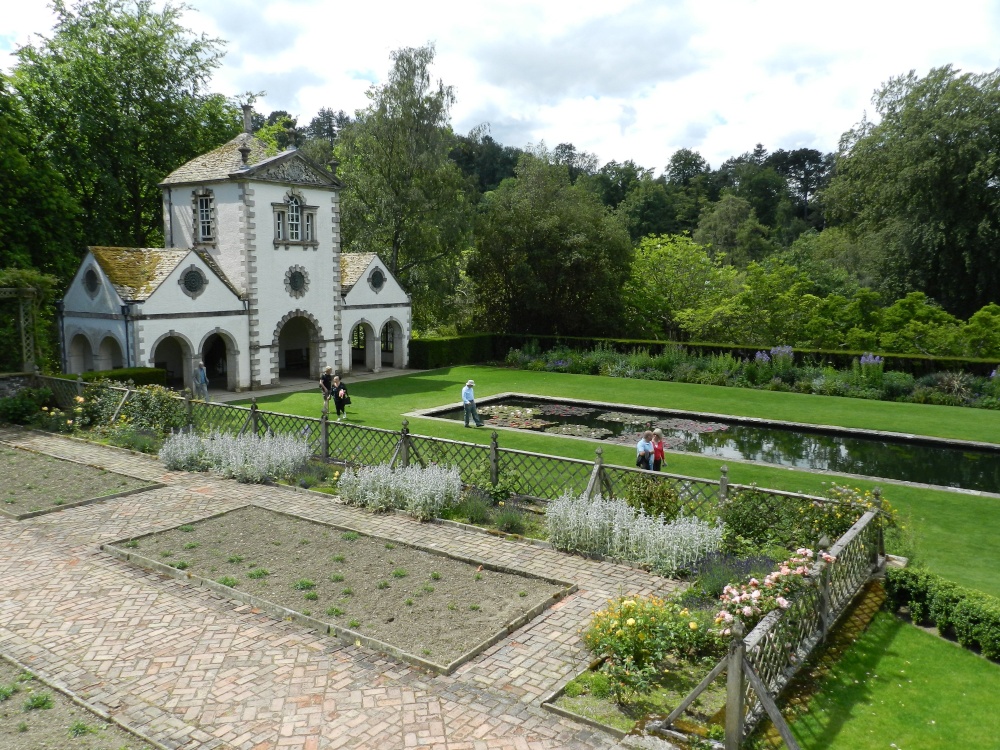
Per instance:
(377,279)
(91,282)
(297,281)
(193,281)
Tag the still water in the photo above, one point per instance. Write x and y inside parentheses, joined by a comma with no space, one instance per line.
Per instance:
(907,460)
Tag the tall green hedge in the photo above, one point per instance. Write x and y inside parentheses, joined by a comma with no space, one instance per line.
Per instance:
(973,617)
(486,347)
(138,375)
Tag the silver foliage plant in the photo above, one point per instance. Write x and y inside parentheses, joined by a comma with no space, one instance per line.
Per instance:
(245,458)
(615,529)
(422,492)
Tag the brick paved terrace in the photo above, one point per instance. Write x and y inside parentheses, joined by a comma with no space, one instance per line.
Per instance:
(192,669)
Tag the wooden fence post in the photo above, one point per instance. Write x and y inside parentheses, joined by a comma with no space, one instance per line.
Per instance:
(594,485)
(404,444)
(880,544)
(253,415)
(494,459)
(187,409)
(724,483)
(79,385)
(734,689)
(324,436)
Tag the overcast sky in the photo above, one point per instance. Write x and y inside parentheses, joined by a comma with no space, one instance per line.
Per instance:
(624,80)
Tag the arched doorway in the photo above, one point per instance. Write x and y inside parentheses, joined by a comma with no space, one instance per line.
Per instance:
(392,344)
(172,354)
(109,355)
(298,349)
(81,356)
(364,347)
(219,353)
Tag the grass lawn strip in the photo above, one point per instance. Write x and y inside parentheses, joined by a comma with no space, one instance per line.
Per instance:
(954,532)
(55,720)
(437,608)
(900,686)
(33,484)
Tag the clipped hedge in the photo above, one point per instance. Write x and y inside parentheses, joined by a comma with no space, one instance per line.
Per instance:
(485,347)
(138,375)
(973,617)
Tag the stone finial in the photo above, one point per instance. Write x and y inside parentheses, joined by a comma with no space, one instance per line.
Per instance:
(333,164)
(244,153)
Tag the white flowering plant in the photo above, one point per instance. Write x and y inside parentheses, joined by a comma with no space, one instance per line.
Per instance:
(424,492)
(615,529)
(245,458)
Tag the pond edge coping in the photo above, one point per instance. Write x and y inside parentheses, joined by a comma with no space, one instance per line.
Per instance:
(346,635)
(100,713)
(79,503)
(753,421)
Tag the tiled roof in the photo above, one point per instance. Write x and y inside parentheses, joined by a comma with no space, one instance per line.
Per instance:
(217,270)
(136,272)
(352,265)
(219,163)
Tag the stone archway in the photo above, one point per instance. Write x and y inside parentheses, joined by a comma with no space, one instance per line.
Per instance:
(109,355)
(392,344)
(81,355)
(296,346)
(173,353)
(365,346)
(220,354)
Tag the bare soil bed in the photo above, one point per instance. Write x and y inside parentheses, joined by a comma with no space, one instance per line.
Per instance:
(63,725)
(32,482)
(431,606)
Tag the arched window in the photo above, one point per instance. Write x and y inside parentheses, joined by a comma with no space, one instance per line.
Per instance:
(294,219)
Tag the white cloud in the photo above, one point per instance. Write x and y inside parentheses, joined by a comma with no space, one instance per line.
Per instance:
(635,79)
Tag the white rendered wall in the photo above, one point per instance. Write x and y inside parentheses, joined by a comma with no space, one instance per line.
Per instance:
(94,318)
(362,304)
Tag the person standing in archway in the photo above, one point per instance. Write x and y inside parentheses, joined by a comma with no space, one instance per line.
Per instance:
(201,381)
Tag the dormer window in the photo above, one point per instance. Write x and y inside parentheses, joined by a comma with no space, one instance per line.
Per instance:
(204,218)
(294,222)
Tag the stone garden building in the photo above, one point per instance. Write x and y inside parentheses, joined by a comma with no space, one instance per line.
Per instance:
(252,280)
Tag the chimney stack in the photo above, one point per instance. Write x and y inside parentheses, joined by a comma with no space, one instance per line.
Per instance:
(247,121)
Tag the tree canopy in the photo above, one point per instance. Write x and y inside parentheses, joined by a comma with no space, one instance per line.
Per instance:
(117,98)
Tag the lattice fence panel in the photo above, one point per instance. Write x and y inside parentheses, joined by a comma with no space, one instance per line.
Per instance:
(209,417)
(546,477)
(856,556)
(361,446)
(306,428)
(63,391)
(471,459)
(701,498)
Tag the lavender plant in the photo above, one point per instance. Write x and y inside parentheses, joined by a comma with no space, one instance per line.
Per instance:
(184,451)
(423,492)
(245,458)
(614,529)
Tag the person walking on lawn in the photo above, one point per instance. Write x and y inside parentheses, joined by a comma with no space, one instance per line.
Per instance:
(326,386)
(469,402)
(657,449)
(644,451)
(340,397)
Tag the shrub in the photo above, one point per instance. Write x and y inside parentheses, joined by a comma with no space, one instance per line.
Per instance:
(654,496)
(973,616)
(509,519)
(246,458)
(475,507)
(26,403)
(423,492)
(614,529)
(635,634)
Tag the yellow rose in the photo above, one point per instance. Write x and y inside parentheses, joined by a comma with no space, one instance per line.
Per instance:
(693,625)
(630,621)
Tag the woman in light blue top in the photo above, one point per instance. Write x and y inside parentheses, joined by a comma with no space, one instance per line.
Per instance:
(469,402)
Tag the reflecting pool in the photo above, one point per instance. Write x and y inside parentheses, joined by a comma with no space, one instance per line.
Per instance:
(911,460)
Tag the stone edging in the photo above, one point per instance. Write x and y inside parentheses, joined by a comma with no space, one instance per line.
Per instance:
(99,713)
(79,503)
(548,704)
(347,635)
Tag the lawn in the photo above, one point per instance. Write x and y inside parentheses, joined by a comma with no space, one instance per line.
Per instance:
(900,687)
(953,532)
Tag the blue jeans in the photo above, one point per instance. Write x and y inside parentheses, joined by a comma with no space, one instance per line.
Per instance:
(470,411)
